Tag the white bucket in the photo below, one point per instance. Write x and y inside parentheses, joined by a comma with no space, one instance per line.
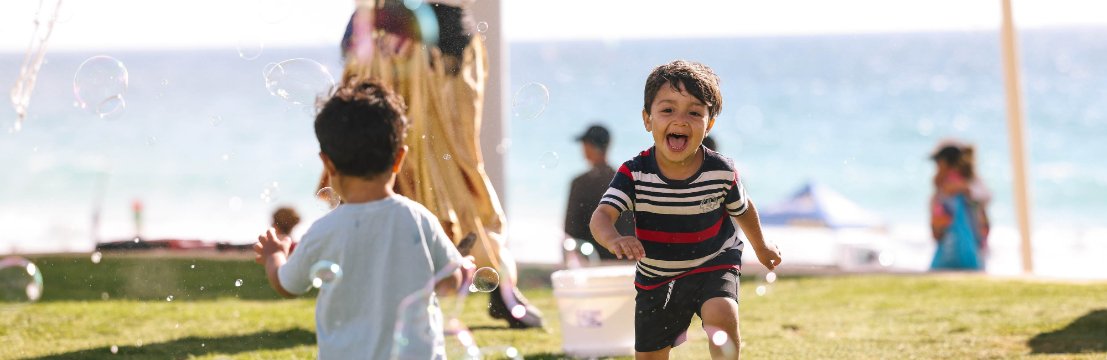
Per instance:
(597,310)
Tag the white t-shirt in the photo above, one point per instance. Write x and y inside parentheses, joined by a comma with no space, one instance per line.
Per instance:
(386,249)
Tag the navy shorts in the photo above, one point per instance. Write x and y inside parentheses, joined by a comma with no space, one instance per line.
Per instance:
(663,314)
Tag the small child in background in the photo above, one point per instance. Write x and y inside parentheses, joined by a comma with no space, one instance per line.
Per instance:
(386,245)
(686,201)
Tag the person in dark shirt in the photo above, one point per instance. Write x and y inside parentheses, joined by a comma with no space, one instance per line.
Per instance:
(584,196)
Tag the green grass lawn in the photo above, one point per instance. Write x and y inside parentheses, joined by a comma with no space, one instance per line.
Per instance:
(87,309)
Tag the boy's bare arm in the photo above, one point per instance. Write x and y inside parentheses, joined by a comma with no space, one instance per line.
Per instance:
(603,230)
(274,252)
(751,226)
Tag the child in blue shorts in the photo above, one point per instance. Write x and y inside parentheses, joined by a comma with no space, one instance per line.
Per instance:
(686,201)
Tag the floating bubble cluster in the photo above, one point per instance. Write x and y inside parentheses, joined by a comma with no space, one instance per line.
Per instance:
(549,160)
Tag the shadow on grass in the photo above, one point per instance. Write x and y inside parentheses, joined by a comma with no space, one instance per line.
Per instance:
(1086,334)
(198,346)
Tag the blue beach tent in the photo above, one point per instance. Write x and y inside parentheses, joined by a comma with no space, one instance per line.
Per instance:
(819,206)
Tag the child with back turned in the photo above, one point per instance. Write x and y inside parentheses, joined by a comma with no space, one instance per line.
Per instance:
(686,200)
(386,245)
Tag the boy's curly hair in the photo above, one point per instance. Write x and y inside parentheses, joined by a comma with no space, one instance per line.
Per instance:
(361,128)
(698,79)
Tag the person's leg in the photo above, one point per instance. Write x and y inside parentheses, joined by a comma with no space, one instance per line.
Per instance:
(720,316)
(719,312)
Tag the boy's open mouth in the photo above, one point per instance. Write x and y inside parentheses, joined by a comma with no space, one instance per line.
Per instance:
(676,142)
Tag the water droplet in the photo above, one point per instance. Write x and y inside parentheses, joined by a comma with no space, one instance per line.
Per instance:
(530,101)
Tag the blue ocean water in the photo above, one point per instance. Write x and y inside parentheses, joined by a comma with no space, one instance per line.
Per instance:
(202,138)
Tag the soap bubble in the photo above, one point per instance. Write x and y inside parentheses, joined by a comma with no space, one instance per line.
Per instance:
(99,85)
(20,280)
(329,197)
(770,277)
(761,290)
(518,311)
(96,256)
(587,249)
(325,273)
(270,193)
(238,283)
(569,244)
(530,101)
(299,81)
(169,298)
(482,26)
(485,279)
(549,160)
(719,338)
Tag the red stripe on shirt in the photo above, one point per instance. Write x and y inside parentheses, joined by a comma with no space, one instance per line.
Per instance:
(678,237)
(625,171)
(693,271)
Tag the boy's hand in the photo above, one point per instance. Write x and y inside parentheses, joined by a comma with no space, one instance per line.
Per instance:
(269,244)
(769,255)
(628,247)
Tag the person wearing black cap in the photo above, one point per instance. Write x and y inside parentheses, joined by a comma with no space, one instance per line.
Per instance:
(584,195)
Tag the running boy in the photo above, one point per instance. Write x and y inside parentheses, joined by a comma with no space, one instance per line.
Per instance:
(386,245)
(684,198)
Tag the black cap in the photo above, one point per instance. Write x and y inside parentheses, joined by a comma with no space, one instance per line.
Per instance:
(596,135)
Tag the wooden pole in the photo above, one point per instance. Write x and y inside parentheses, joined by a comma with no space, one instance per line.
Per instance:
(494,125)
(1015,127)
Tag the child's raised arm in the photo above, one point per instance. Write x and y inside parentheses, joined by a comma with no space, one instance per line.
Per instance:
(603,230)
(751,226)
(274,252)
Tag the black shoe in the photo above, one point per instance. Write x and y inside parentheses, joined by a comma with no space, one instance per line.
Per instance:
(498,309)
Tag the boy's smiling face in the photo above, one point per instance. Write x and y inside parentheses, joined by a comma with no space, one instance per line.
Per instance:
(678,122)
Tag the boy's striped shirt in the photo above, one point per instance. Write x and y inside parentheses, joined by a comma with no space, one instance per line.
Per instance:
(685,226)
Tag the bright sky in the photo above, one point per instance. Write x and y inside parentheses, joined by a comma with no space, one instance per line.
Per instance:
(146,24)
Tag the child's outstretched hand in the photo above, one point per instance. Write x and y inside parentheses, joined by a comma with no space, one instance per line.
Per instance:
(626,247)
(269,243)
(769,255)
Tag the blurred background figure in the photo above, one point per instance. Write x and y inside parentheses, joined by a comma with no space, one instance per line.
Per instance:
(284,220)
(958,216)
(427,53)
(584,196)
